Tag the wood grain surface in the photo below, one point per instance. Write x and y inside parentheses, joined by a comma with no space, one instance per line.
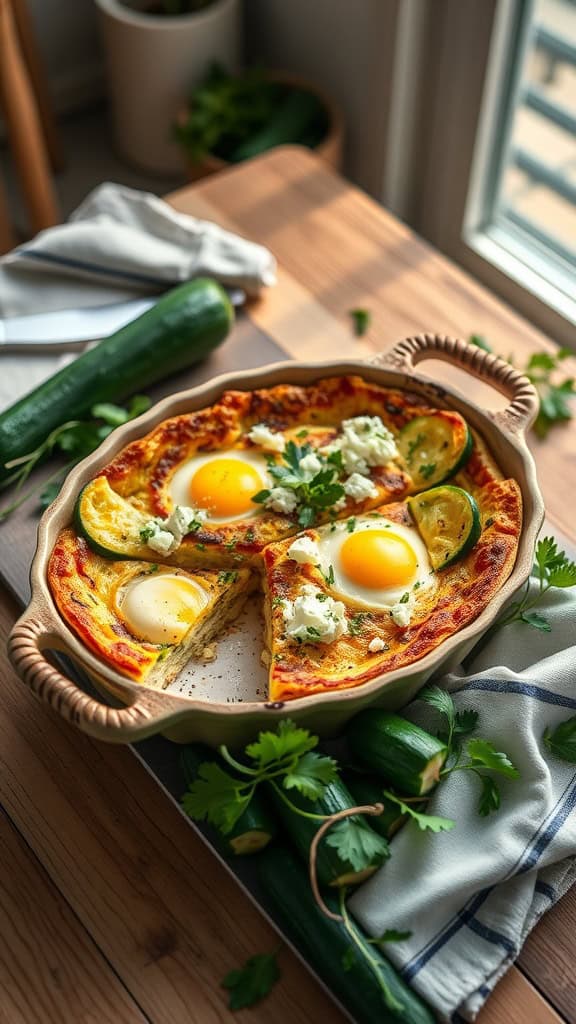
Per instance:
(150,917)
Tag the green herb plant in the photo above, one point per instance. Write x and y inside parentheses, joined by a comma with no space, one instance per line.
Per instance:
(542,368)
(475,755)
(75,440)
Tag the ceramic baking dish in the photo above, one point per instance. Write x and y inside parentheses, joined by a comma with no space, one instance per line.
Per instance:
(141,711)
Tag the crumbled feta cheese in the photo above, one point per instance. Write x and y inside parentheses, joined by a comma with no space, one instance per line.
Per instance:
(309,465)
(314,617)
(159,540)
(266,438)
(376,645)
(359,487)
(165,535)
(364,442)
(281,499)
(304,550)
(401,613)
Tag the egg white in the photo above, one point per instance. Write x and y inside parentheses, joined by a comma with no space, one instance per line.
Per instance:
(179,485)
(330,542)
(161,607)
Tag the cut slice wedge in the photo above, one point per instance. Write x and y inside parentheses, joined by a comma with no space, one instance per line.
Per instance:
(448,520)
(435,447)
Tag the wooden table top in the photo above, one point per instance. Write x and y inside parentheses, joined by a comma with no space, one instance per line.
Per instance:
(112,909)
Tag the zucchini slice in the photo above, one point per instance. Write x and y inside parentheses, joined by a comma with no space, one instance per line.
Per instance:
(402,753)
(435,447)
(324,943)
(330,867)
(254,828)
(448,520)
(110,524)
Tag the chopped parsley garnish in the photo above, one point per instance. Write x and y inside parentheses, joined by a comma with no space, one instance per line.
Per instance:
(361,321)
(416,443)
(227,577)
(553,569)
(194,525)
(302,433)
(329,576)
(427,470)
(277,601)
(356,622)
(405,598)
(147,532)
(250,535)
(249,984)
(312,631)
(314,496)
(200,547)
(231,545)
(351,525)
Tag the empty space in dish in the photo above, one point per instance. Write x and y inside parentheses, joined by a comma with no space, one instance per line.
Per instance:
(237,673)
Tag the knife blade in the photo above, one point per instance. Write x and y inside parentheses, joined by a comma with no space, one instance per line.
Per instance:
(69,329)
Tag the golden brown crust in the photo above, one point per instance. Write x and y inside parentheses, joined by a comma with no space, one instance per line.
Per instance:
(461,592)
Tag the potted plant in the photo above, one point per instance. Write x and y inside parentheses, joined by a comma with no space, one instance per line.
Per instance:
(232,117)
(156,52)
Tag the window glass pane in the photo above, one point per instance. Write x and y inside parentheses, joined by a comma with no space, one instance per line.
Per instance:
(535,190)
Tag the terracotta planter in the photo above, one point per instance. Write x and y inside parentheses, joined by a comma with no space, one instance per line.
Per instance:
(155,60)
(329,150)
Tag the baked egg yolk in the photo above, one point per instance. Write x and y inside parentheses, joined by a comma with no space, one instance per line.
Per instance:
(161,609)
(225,487)
(377,559)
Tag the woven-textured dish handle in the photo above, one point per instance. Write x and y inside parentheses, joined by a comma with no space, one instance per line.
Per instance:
(25,647)
(523,407)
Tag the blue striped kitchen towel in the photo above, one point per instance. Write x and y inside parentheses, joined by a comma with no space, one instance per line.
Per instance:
(471,896)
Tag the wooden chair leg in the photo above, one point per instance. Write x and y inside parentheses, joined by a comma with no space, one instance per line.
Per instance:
(27,141)
(7,239)
(39,82)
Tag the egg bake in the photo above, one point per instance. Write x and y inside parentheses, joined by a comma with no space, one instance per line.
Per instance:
(332,498)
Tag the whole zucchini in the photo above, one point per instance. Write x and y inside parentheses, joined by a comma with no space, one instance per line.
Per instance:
(325,943)
(254,828)
(402,753)
(330,867)
(182,328)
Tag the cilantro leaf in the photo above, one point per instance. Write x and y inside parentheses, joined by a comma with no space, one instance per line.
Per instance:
(480,342)
(216,797)
(562,741)
(425,822)
(489,797)
(361,321)
(357,845)
(481,752)
(442,701)
(553,569)
(311,775)
(287,741)
(249,984)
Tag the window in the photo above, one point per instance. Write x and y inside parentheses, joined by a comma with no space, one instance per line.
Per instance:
(496,174)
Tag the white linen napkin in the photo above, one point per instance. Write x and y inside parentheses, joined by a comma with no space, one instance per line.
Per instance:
(120,244)
(471,896)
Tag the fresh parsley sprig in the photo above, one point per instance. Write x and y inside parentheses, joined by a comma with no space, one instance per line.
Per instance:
(75,439)
(313,495)
(286,760)
(541,369)
(480,755)
(553,569)
(249,984)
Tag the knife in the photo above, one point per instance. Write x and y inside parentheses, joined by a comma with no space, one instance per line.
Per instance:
(70,329)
